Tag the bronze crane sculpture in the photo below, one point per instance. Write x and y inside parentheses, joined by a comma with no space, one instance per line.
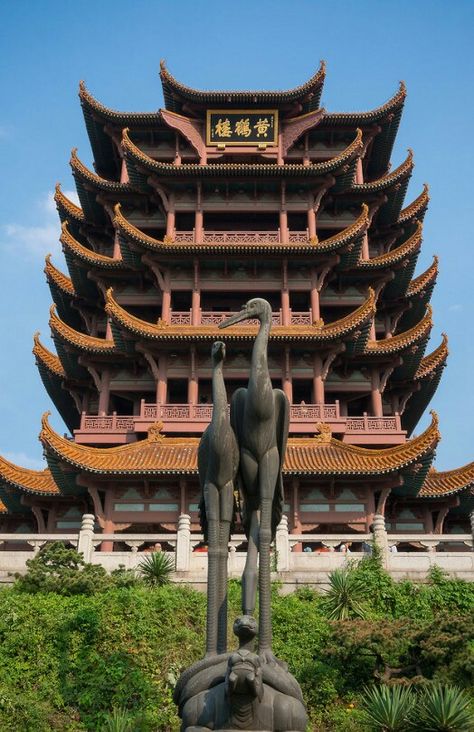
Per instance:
(218,458)
(259,417)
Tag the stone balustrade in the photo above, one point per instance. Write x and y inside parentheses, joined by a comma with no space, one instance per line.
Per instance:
(453,553)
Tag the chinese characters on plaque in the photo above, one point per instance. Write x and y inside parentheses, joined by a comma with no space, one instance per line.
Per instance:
(242,127)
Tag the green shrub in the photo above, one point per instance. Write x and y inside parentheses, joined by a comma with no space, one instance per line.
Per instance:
(63,571)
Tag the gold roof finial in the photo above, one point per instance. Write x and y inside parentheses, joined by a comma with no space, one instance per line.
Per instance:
(324,433)
(155,432)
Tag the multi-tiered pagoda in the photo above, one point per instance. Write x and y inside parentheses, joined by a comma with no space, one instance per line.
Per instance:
(189,212)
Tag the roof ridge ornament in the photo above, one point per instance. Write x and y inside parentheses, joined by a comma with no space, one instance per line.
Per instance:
(155,432)
(324,433)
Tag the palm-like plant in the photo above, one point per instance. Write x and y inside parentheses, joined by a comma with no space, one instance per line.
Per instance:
(445,709)
(342,599)
(157,568)
(388,709)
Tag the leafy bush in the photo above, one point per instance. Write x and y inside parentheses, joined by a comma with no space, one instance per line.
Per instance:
(63,571)
(157,568)
(72,650)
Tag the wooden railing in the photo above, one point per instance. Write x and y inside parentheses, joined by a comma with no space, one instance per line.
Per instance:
(215,317)
(195,418)
(242,237)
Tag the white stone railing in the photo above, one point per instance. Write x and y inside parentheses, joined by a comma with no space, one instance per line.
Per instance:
(451,552)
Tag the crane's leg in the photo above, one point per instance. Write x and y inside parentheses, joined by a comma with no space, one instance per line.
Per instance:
(268,474)
(211,497)
(226,513)
(249,471)
(249,577)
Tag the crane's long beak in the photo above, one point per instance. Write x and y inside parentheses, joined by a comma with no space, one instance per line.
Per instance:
(236,318)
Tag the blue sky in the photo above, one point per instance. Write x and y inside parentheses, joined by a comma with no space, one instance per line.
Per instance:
(116,46)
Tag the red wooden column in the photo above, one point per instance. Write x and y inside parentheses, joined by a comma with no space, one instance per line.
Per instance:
(315,309)
(283,216)
(196,295)
(311,222)
(376,394)
(285,295)
(198,217)
(164,281)
(171,217)
(162,381)
(104,393)
(286,376)
(318,381)
(193,378)
(124,173)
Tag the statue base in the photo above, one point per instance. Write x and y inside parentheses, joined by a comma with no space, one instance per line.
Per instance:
(235,691)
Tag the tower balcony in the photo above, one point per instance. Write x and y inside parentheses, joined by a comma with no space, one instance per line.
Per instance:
(213,317)
(194,418)
(274,236)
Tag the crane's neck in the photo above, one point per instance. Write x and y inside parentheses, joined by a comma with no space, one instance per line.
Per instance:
(219,394)
(259,375)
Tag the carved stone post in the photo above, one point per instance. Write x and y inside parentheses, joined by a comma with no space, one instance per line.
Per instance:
(183,543)
(380,537)
(85,544)
(282,546)
(472,528)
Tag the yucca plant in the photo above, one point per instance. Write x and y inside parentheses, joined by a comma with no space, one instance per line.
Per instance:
(444,709)
(119,720)
(342,599)
(157,568)
(387,708)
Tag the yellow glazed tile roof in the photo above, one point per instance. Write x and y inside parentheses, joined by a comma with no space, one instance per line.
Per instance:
(137,156)
(415,207)
(447,482)
(56,277)
(389,180)
(434,360)
(332,243)
(403,340)
(86,255)
(373,115)
(48,359)
(161,454)
(68,206)
(226,97)
(122,118)
(32,481)
(80,340)
(79,169)
(164,331)
(424,280)
(394,256)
